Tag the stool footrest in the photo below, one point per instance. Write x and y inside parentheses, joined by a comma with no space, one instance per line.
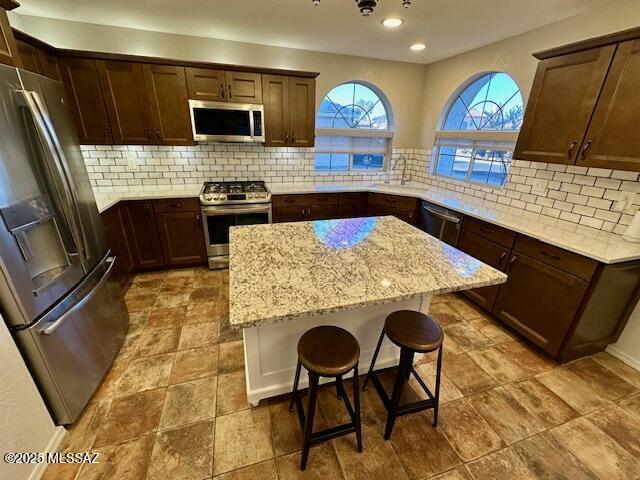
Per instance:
(406,408)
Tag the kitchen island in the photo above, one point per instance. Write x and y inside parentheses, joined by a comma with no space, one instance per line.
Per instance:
(287,278)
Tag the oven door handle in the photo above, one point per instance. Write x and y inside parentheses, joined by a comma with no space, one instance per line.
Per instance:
(235,209)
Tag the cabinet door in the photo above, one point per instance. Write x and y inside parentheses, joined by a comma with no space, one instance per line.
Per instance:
(181,237)
(244,87)
(539,301)
(116,242)
(205,84)
(563,96)
(489,253)
(29,57)
(275,94)
(612,140)
(302,111)
(352,205)
(49,65)
(140,226)
(322,212)
(8,49)
(167,92)
(404,214)
(289,214)
(126,101)
(81,82)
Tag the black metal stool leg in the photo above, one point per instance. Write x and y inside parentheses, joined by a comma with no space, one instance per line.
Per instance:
(308,425)
(373,360)
(398,385)
(356,401)
(437,395)
(294,393)
(339,387)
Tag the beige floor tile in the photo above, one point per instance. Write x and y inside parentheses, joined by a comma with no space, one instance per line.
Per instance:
(155,341)
(632,405)
(242,439)
(502,465)
(109,386)
(459,473)
(467,337)
(607,384)
(444,314)
(285,426)
(260,471)
(149,277)
(572,389)
(526,357)
(469,434)
(465,308)
(499,365)
(227,332)
(322,464)
(541,402)
(605,457)
(146,374)
(61,471)
(448,391)
(189,402)
(466,374)
(231,357)
(140,302)
(125,461)
(198,335)
(545,457)
(167,317)
(185,453)
(171,299)
(620,368)
(203,313)
(131,416)
(422,449)
(204,294)
(507,417)
(334,411)
(232,393)
(491,329)
(620,425)
(377,461)
(82,434)
(194,364)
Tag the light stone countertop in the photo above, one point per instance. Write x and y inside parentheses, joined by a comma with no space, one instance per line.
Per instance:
(596,244)
(311,268)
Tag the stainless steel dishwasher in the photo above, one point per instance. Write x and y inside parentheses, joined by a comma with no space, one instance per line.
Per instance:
(440,222)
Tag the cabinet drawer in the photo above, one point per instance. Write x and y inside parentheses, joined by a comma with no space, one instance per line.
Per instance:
(167,205)
(396,201)
(569,262)
(353,197)
(489,231)
(305,199)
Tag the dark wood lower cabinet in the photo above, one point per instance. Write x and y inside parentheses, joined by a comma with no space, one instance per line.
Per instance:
(181,238)
(116,241)
(142,234)
(352,204)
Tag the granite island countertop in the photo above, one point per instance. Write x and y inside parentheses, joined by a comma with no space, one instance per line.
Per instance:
(284,271)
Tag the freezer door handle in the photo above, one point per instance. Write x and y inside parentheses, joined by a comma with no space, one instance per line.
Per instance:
(51,145)
(50,328)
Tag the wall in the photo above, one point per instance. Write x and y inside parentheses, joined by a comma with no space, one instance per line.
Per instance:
(25,424)
(401,82)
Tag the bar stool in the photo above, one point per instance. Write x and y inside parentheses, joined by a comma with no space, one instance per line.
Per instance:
(412,332)
(327,351)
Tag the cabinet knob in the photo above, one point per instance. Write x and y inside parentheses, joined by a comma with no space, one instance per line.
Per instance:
(198,219)
(293,138)
(572,145)
(105,132)
(230,94)
(585,148)
(158,134)
(222,91)
(512,262)
(286,138)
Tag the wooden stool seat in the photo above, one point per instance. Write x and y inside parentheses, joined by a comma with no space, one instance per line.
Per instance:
(328,351)
(413,330)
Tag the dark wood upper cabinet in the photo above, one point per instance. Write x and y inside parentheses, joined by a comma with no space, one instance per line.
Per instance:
(126,100)
(612,140)
(142,235)
(302,111)
(205,84)
(563,97)
(8,48)
(29,56)
(166,87)
(181,237)
(80,78)
(275,95)
(244,87)
(49,65)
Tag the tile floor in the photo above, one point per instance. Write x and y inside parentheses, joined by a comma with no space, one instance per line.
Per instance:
(173,405)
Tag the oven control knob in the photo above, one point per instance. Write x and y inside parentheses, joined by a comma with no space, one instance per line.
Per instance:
(250,196)
(208,197)
(216,197)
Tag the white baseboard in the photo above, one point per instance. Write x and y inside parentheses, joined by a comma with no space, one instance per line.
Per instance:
(54,443)
(625,357)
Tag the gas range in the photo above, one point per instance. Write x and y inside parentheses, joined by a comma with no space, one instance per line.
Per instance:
(234,193)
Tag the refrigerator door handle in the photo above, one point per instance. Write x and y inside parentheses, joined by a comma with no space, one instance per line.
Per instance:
(52,327)
(52,148)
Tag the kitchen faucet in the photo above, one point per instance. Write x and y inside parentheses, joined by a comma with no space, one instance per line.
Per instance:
(393,167)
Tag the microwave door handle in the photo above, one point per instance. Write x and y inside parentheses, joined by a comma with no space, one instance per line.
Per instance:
(45,141)
(252,127)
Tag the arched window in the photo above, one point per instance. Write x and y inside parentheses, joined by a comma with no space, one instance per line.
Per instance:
(353,129)
(479,129)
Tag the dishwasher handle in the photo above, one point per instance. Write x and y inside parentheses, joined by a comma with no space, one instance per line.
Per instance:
(446,217)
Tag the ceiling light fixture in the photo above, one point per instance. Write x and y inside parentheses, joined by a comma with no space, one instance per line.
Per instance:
(416,47)
(366,6)
(392,22)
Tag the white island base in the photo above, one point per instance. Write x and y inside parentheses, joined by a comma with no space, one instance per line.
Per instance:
(270,351)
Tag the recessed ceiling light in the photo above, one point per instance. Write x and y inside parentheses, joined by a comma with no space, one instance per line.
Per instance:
(416,47)
(392,22)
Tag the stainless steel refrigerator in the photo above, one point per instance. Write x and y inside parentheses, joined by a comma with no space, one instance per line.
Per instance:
(57,295)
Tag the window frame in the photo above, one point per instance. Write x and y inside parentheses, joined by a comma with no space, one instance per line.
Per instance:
(387,134)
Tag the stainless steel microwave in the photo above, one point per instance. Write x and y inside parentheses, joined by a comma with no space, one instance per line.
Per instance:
(227,122)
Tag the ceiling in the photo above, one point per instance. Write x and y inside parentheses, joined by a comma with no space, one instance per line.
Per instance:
(448,27)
